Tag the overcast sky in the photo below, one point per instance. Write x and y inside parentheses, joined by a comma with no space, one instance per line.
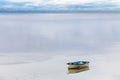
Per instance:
(58,5)
(58,32)
(63,1)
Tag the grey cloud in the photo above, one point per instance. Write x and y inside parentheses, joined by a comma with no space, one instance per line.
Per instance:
(51,6)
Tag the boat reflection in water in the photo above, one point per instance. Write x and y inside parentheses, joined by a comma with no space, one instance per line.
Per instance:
(76,67)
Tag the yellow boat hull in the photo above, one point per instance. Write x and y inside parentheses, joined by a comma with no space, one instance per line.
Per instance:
(77,66)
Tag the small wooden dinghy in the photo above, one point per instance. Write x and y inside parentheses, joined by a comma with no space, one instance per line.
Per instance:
(78,64)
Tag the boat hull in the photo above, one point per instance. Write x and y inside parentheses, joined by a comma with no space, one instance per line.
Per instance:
(77,66)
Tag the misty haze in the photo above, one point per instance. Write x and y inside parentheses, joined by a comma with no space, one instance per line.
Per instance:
(38,46)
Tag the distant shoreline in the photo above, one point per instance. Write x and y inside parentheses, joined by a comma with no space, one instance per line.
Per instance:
(58,12)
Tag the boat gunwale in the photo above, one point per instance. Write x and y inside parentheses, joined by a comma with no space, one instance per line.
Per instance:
(74,63)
